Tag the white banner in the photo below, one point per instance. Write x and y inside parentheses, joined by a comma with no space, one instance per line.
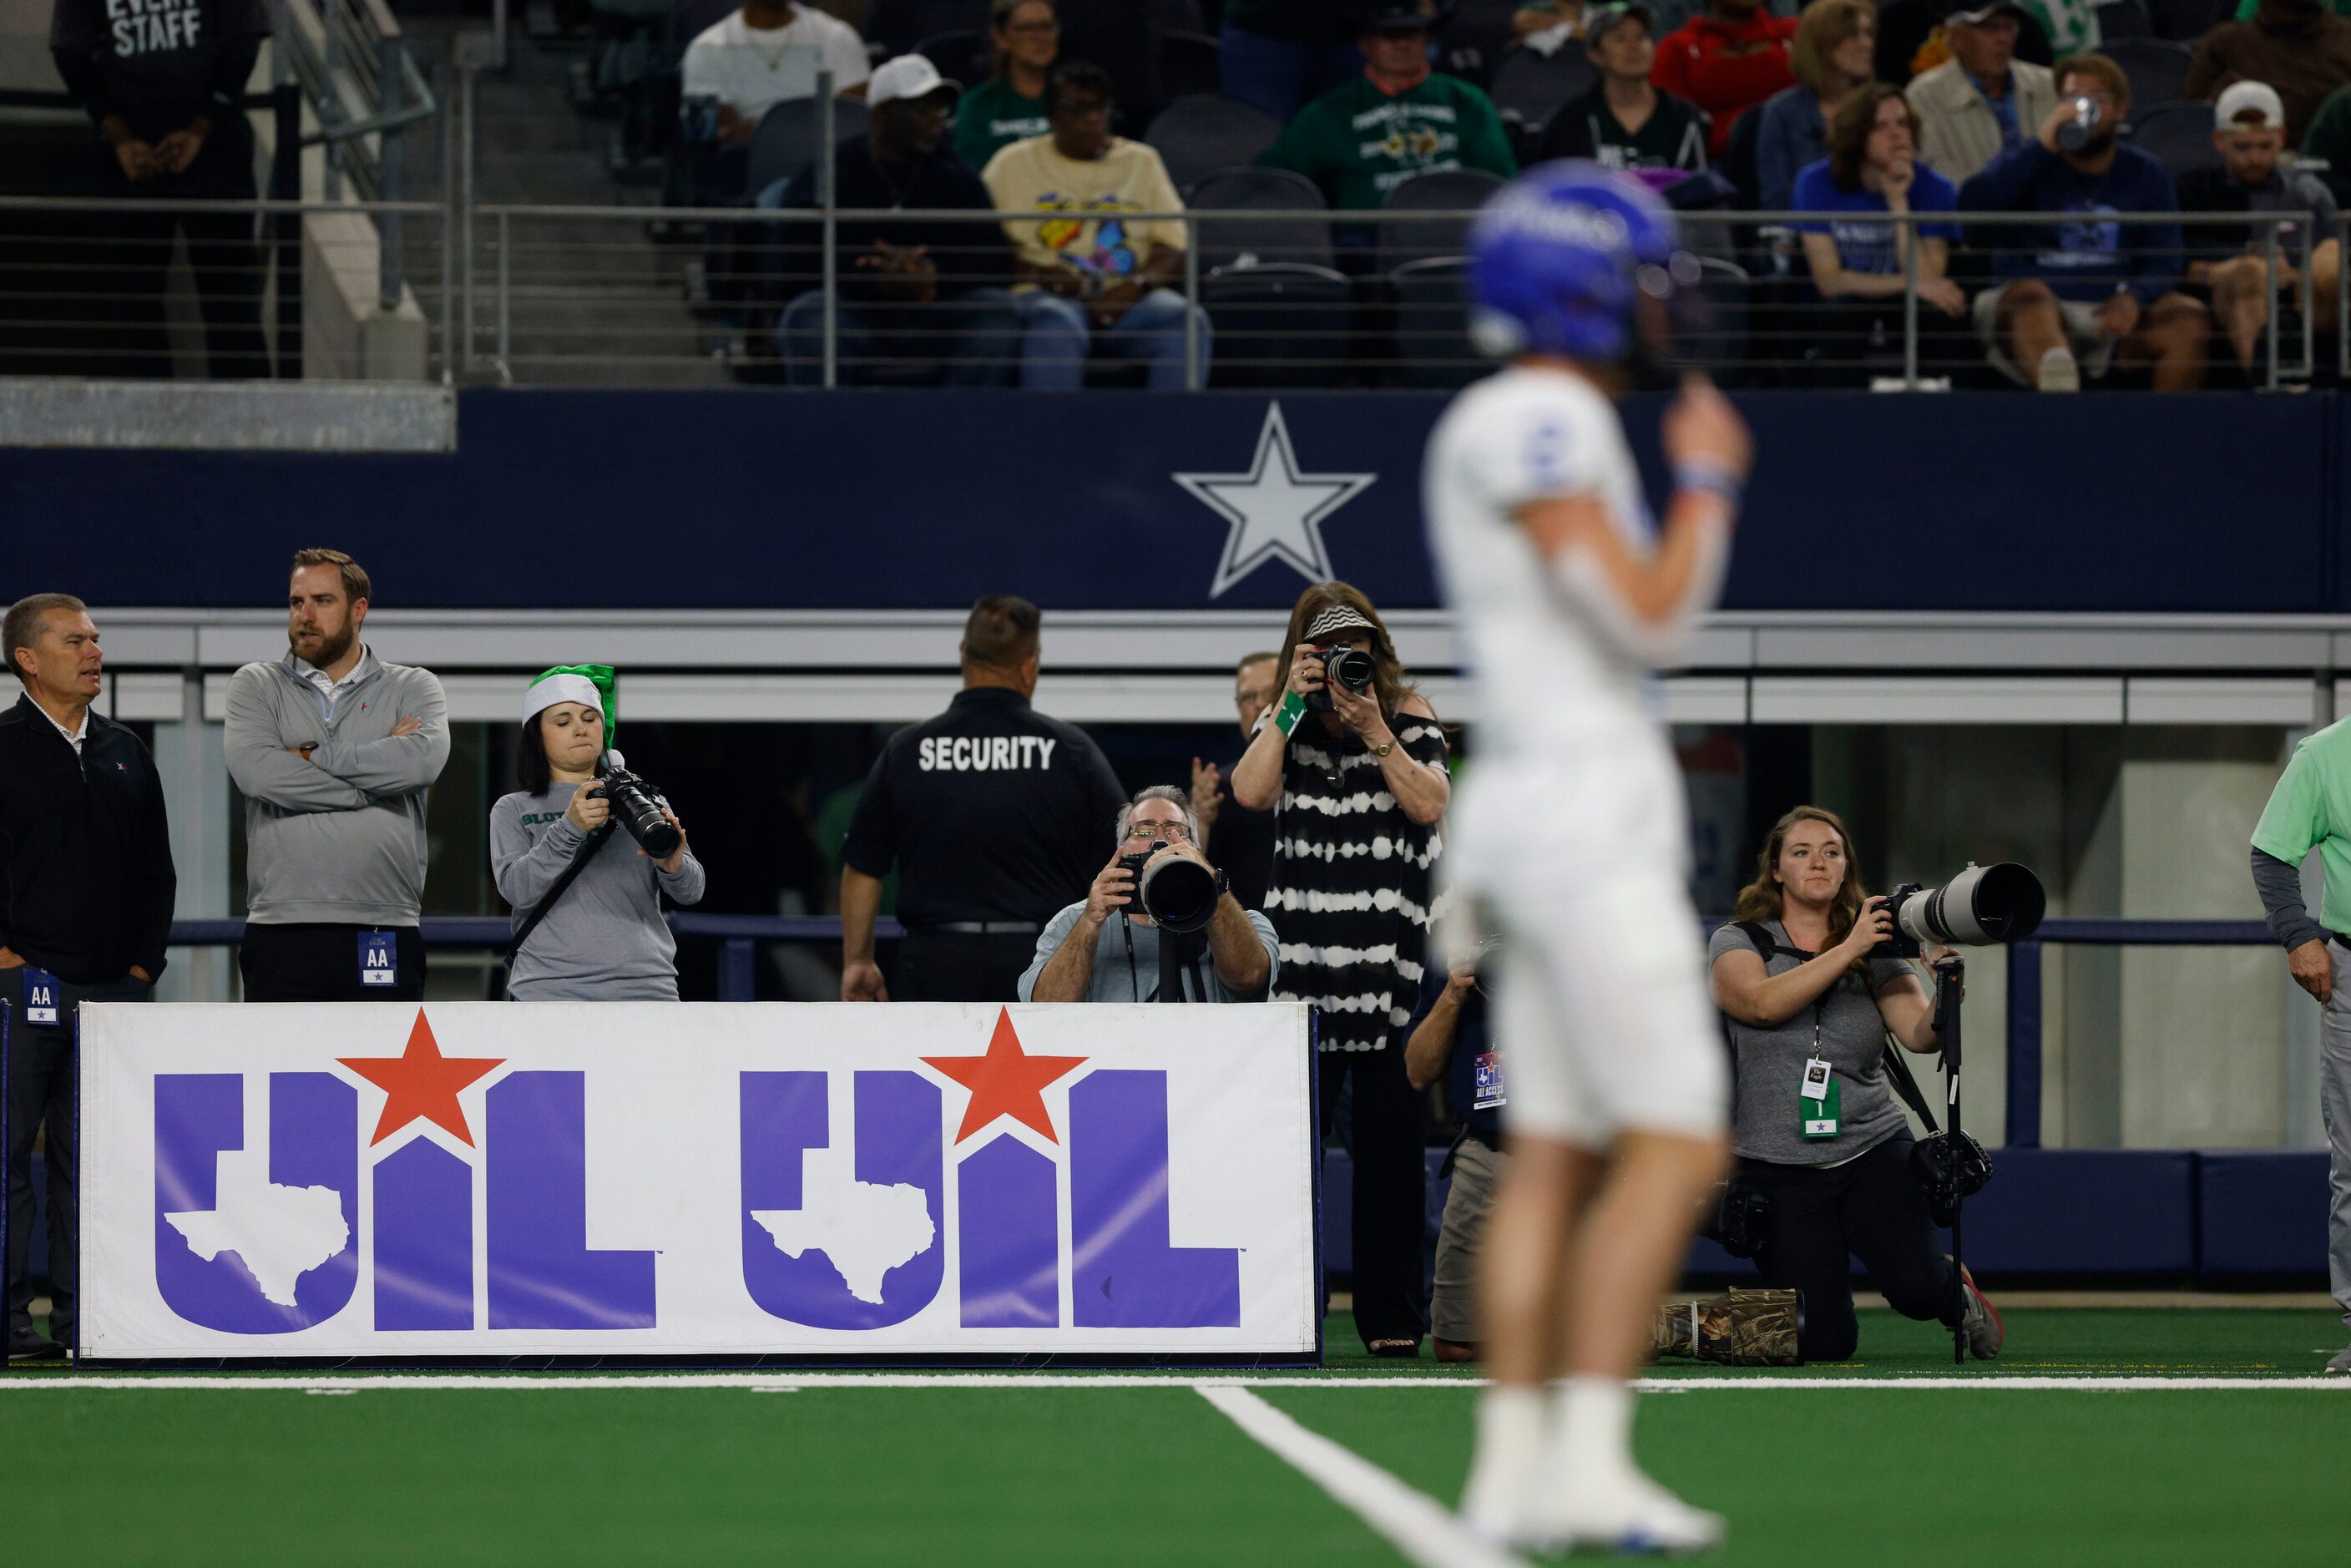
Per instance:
(489,1179)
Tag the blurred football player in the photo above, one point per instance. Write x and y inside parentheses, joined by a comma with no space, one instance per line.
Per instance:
(1570,838)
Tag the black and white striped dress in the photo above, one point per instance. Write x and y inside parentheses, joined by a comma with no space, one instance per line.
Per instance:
(1352,884)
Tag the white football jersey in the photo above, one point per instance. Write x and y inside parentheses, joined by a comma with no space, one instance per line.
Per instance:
(1568,741)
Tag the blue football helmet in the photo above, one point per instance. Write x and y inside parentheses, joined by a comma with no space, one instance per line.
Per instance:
(1560,256)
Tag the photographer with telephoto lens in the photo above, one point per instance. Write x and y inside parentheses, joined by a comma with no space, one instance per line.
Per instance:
(588,916)
(1158,924)
(1808,997)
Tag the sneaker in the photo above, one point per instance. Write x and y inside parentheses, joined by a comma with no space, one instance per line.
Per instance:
(2060,372)
(1980,1322)
(1627,1513)
(2342,1362)
(26,1343)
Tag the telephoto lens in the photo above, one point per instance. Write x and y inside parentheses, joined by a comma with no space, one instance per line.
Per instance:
(634,808)
(1180,894)
(1983,905)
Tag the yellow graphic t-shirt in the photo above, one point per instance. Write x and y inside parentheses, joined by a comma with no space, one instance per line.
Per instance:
(1082,200)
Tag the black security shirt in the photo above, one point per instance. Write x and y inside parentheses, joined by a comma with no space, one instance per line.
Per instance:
(86,875)
(992,810)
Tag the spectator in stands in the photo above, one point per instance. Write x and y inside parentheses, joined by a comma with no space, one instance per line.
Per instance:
(1983,99)
(1010,106)
(919,289)
(162,85)
(1835,39)
(2329,138)
(1103,948)
(2297,47)
(1728,61)
(334,751)
(1448,1039)
(766,53)
(1360,787)
(1276,54)
(2248,133)
(1092,278)
(2072,298)
(1913,37)
(603,939)
(1859,267)
(1359,141)
(1625,121)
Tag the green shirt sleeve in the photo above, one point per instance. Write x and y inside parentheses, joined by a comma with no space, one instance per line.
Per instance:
(2295,818)
(2329,136)
(1484,143)
(1295,149)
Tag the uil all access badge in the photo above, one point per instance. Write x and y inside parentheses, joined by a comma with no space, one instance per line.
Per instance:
(378,958)
(41,996)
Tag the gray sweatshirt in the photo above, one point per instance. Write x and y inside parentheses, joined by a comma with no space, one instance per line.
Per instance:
(340,839)
(605,939)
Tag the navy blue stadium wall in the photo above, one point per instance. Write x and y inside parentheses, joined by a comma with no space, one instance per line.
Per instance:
(868,500)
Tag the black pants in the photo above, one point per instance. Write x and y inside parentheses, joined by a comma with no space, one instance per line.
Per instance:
(41,1094)
(960,967)
(1390,1190)
(321,964)
(1870,1208)
(229,268)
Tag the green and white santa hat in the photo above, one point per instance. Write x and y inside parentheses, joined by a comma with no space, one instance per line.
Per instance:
(587,684)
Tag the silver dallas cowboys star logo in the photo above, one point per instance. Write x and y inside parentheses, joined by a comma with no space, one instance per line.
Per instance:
(1275,511)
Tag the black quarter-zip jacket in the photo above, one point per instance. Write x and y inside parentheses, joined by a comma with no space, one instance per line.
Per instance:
(86,875)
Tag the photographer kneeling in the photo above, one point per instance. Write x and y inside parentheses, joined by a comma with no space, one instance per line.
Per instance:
(603,938)
(1818,1134)
(1085,954)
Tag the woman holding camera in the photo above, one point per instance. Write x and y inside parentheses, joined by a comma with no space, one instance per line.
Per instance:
(1354,762)
(1818,1131)
(604,939)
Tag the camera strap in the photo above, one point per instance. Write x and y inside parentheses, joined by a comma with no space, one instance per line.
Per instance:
(1897,1071)
(595,840)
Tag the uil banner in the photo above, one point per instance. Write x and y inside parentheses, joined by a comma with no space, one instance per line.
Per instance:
(479,1180)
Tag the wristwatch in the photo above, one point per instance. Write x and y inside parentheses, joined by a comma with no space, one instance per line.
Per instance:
(1381,751)
(1224,882)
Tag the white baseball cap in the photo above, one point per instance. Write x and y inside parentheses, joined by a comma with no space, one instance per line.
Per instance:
(908,76)
(2247,98)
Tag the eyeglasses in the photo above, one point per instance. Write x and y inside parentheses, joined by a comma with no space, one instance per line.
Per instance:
(1032,28)
(1144,832)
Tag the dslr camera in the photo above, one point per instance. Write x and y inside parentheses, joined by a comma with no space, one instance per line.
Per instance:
(1981,907)
(634,806)
(1180,894)
(1341,666)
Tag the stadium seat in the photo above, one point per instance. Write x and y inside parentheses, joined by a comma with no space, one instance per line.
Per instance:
(1277,324)
(2158,68)
(1531,86)
(2180,133)
(1190,64)
(2119,19)
(1305,238)
(1472,40)
(2188,20)
(1432,322)
(1199,134)
(1437,190)
(899,26)
(786,141)
(963,55)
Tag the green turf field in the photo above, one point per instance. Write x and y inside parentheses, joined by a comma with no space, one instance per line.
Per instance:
(795,1466)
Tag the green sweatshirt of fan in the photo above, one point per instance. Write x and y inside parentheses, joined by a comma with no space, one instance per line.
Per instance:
(1359,143)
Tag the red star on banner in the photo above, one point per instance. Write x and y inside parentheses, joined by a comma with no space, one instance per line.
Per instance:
(421,1081)
(1007,1081)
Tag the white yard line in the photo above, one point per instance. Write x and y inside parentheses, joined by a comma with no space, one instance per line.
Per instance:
(772,1382)
(1415,1524)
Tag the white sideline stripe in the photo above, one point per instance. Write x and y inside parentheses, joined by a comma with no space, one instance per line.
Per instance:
(771,1381)
(1414,1523)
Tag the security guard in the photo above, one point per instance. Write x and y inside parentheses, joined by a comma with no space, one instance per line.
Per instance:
(86,893)
(994,815)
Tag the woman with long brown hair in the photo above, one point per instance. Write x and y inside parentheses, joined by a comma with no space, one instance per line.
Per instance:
(1357,774)
(1808,1002)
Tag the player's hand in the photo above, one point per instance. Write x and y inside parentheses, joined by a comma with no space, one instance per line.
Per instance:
(2311,965)
(1112,890)
(1701,427)
(861,981)
(1207,791)
(1305,670)
(590,810)
(1872,927)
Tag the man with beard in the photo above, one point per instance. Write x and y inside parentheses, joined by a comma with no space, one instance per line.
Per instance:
(334,750)
(2076,296)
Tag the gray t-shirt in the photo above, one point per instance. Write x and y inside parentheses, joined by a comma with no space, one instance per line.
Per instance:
(1765,1119)
(1114,979)
(605,939)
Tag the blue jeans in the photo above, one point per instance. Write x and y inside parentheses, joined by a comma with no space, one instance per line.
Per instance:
(973,336)
(1055,336)
(1278,76)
